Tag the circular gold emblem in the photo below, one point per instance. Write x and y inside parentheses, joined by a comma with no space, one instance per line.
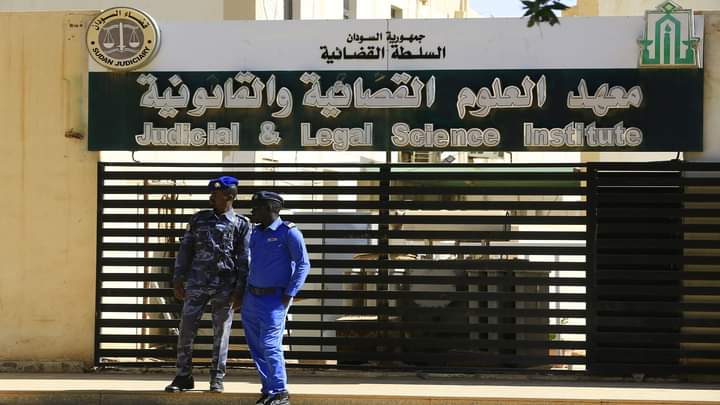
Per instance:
(123,38)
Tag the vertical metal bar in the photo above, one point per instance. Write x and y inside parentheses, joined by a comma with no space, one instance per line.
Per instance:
(383,243)
(323,256)
(685,190)
(591,194)
(146,255)
(98,259)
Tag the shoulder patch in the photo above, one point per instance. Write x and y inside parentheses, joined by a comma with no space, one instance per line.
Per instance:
(289,224)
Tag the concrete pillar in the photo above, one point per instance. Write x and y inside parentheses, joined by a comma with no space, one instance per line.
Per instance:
(711,102)
(48,204)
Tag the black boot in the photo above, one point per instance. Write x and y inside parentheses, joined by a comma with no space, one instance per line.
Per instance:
(262,399)
(181,383)
(282,398)
(216,385)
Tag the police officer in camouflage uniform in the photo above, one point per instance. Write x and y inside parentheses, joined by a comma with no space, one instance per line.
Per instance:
(210,267)
(278,267)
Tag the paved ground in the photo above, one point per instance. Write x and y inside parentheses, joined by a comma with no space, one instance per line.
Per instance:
(137,389)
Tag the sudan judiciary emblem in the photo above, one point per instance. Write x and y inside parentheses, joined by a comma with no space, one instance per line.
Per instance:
(122,38)
(669,39)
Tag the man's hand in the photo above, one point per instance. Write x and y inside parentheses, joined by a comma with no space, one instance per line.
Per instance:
(286,300)
(179,290)
(237,299)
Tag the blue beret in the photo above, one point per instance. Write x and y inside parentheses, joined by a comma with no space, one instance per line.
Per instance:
(222,182)
(267,196)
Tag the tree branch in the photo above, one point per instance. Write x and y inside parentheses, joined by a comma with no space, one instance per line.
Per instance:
(542,11)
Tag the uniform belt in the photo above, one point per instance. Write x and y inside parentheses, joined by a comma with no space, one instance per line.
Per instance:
(263,291)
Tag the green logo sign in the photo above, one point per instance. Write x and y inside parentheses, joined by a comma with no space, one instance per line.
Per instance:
(669,38)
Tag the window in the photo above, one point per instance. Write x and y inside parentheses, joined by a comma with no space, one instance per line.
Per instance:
(348,9)
(288,8)
(396,12)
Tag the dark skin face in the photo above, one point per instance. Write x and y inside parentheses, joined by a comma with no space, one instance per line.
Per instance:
(262,214)
(220,202)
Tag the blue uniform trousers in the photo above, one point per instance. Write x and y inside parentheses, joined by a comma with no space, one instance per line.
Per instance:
(222,313)
(263,320)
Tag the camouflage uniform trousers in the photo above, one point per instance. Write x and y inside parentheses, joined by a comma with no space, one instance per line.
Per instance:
(196,299)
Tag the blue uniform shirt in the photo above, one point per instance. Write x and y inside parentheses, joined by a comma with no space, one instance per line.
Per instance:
(213,246)
(278,257)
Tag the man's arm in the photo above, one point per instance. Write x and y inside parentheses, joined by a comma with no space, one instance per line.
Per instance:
(183,260)
(299,256)
(241,254)
(241,258)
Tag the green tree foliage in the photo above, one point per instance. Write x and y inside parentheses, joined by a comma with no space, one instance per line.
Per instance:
(542,11)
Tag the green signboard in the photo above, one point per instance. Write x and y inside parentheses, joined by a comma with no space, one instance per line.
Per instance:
(472,110)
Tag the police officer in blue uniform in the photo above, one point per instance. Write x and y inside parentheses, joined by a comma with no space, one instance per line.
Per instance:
(210,267)
(279,264)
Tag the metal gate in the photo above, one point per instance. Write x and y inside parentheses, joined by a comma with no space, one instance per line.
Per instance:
(654,272)
(433,267)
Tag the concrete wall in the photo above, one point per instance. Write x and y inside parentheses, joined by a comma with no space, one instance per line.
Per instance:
(319,10)
(583,8)
(634,7)
(239,10)
(638,7)
(414,9)
(48,204)
(176,10)
(368,9)
(216,10)
(262,10)
(711,95)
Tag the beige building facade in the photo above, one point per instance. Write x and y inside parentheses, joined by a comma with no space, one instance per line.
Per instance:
(47,277)
(590,8)
(216,10)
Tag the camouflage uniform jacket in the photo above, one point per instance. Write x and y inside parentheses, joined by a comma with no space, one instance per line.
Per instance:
(214,251)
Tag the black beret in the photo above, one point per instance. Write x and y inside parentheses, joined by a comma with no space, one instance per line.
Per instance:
(267,196)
